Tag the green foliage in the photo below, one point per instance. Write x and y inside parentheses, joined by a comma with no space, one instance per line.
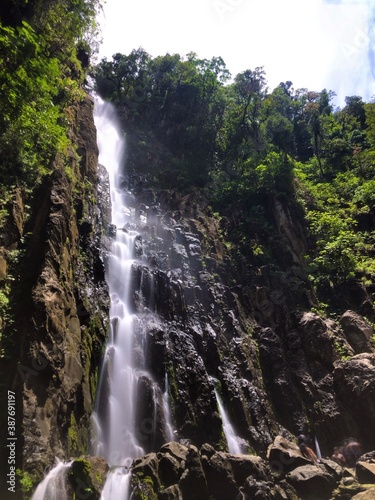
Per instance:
(4,301)
(364,195)
(40,75)
(30,128)
(172,111)
(274,174)
(26,481)
(143,487)
(73,435)
(187,126)
(341,350)
(370,122)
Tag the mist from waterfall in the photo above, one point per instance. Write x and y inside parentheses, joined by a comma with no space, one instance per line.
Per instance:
(53,486)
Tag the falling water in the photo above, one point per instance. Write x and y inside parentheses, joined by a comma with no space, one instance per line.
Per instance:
(114,416)
(317,448)
(117,435)
(53,486)
(232,440)
(167,414)
(117,485)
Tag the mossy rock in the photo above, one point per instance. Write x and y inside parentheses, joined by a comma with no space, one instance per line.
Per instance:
(348,491)
(87,476)
(143,488)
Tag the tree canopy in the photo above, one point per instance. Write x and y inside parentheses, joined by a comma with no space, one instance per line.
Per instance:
(45,48)
(190,125)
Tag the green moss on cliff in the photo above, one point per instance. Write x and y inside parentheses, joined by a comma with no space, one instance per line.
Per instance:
(85,480)
(143,487)
(27,482)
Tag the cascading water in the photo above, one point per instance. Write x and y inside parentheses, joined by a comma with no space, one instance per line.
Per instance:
(124,377)
(168,420)
(317,448)
(53,486)
(232,440)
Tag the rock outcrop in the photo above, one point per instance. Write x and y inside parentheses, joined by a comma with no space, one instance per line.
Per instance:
(59,303)
(184,472)
(278,367)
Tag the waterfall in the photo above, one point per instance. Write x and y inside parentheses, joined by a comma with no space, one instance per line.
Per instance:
(231,437)
(125,420)
(167,414)
(114,416)
(317,448)
(117,485)
(53,486)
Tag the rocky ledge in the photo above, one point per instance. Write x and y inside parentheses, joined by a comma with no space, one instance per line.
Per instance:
(185,472)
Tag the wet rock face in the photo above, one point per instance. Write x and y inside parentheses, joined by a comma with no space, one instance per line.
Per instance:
(285,456)
(184,472)
(308,367)
(357,332)
(61,306)
(276,367)
(199,335)
(354,380)
(310,479)
(179,471)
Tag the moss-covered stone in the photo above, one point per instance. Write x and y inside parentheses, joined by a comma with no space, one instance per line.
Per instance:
(87,476)
(143,487)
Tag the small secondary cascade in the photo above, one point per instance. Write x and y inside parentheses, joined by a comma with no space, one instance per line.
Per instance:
(53,486)
(120,433)
(167,413)
(117,484)
(317,448)
(232,440)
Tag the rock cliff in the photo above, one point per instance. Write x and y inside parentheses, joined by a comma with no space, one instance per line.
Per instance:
(280,366)
(53,250)
(224,322)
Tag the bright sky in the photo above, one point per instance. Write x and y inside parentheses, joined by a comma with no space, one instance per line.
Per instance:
(313,43)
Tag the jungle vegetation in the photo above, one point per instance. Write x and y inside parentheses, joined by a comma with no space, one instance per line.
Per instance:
(189,125)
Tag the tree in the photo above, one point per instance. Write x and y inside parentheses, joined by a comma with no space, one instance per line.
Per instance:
(370,122)
(176,104)
(40,75)
(355,107)
(118,79)
(249,90)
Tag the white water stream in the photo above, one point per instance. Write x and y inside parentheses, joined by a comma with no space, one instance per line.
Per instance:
(230,435)
(317,448)
(117,434)
(167,412)
(53,486)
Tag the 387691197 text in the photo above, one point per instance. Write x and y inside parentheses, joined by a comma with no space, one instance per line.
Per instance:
(12,440)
